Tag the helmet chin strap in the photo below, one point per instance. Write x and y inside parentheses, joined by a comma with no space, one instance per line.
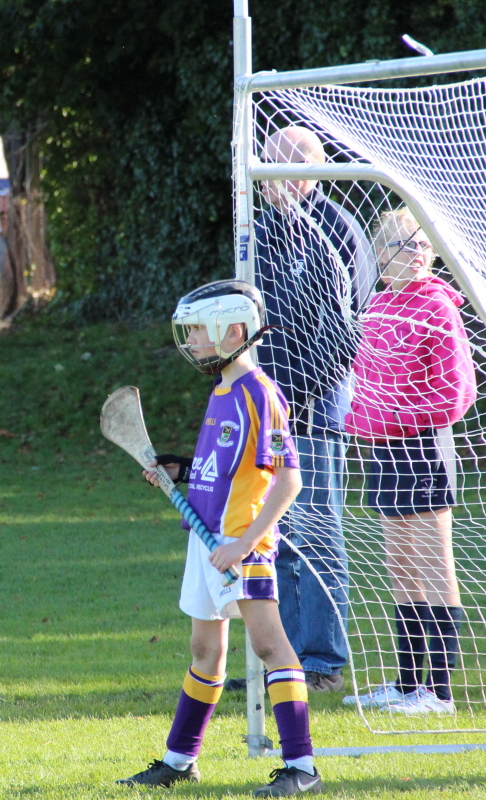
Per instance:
(225,359)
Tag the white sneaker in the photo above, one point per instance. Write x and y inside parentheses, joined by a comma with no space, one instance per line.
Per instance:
(422,702)
(384,695)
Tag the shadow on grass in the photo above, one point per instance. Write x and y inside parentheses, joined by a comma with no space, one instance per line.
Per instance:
(368,787)
(106,705)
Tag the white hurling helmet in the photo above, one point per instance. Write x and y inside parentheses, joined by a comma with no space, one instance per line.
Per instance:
(216,306)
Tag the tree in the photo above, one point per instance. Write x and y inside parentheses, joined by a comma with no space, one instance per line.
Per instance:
(136,102)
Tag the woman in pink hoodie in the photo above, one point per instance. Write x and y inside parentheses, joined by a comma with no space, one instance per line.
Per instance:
(414,379)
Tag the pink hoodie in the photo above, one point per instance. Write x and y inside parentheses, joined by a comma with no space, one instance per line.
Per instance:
(408,376)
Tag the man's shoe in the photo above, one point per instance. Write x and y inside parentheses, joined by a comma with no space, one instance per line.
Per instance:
(160,774)
(385,695)
(288,781)
(316,682)
(239,684)
(235,685)
(421,702)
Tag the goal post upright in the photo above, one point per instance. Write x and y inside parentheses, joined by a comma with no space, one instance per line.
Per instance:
(257,742)
(242,144)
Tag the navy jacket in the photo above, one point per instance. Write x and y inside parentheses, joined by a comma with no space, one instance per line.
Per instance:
(305,279)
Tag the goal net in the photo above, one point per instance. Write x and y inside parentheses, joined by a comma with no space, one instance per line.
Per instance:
(430,143)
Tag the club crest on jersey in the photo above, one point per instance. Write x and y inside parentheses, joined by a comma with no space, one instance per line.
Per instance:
(227,428)
(277,442)
(298,268)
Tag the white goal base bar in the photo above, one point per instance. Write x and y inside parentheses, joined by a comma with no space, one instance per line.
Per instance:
(357,752)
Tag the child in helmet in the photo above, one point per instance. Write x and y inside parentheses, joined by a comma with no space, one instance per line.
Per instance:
(243,477)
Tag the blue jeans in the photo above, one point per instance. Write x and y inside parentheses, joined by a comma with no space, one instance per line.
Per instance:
(313,523)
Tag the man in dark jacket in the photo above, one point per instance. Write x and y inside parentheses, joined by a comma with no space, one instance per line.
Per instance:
(314,267)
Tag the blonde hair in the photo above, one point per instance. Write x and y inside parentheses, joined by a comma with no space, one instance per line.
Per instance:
(391,225)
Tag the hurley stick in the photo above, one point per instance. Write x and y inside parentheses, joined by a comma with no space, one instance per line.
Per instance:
(122,423)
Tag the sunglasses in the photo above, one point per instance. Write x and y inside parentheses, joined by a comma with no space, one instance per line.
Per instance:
(411,245)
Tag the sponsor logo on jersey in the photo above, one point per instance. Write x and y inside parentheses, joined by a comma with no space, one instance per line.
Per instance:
(227,428)
(209,470)
(196,465)
(210,421)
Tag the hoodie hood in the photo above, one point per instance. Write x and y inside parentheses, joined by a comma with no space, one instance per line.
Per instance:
(433,286)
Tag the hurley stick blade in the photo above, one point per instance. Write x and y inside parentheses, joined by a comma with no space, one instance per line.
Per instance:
(122,423)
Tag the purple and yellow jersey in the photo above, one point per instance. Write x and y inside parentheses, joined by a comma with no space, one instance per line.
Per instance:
(245,434)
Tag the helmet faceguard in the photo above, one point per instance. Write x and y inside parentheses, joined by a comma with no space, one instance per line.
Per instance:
(216,306)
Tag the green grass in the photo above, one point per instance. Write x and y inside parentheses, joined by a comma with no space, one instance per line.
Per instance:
(54,382)
(93,647)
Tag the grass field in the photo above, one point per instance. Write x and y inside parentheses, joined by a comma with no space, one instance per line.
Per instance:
(93,647)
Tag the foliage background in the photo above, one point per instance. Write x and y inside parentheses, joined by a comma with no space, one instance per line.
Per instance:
(131,102)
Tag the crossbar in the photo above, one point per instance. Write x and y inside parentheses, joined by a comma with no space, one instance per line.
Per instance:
(368,71)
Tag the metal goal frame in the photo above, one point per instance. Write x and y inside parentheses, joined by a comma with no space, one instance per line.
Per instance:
(246,169)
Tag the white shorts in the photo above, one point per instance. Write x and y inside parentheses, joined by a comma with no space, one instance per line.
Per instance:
(202,594)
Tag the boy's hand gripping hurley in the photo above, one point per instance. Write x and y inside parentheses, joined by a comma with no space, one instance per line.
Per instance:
(122,423)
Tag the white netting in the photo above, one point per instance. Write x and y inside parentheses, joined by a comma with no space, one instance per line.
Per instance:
(433,138)
(432,142)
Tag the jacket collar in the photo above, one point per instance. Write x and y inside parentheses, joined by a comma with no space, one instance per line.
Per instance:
(308,204)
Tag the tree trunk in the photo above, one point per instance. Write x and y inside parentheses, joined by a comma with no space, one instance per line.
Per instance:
(28,270)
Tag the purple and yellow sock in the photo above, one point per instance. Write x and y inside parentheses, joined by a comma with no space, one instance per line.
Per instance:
(199,696)
(288,695)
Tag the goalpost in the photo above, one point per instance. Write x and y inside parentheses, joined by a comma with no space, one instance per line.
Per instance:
(424,147)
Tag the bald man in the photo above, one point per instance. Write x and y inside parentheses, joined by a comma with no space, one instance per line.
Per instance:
(311,253)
